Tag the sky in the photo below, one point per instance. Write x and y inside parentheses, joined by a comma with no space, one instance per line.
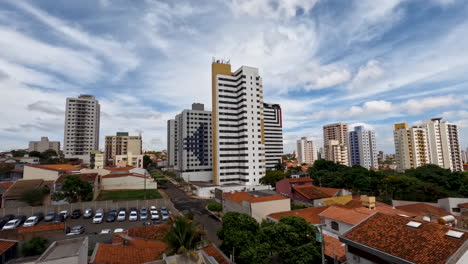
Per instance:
(363,62)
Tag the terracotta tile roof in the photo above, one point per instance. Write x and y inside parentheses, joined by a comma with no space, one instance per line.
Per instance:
(238,197)
(422,209)
(6,244)
(302,179)
(334,248)
(18,187)
(311,214)
(41,228)
(6,185)
(137,251)
(88,177)
(118,175)
(127,168)
(57,167)
(313,192)
(463,205)
(216,254)
(426,244)
(345,215)
(154,232)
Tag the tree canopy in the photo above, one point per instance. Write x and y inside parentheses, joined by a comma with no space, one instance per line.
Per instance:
(34,247)
(183,235)
(75,189)
(271,177)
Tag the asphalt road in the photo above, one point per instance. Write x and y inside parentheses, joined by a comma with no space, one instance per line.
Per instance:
(184,202)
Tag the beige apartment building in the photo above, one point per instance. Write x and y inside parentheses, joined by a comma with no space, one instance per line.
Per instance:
(306,151)
(121,144)
(129,159)
(411,148)
(43,145)
(334,142)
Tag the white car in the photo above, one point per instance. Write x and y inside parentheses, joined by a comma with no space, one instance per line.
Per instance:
(119,230)
(154,213)
(165,215)
(133,216)
(98,217)
(106,231)
(12,224)
(31,221)
(64,213)
(121,216)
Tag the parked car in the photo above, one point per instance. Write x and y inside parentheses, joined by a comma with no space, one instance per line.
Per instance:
(5,220)
(165,215)
(76,214)
(154,215)
(98,217)
(40,216)
(77,230)
(119,230)
(105,231)
(31,221)
(49,216)
(64,213)
(88,213)
(143,214)
(12,224)
(157,221)
(59,218)
(133,216)
(121,216)
(112,215)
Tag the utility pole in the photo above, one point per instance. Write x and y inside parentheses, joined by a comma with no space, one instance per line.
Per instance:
(322,242)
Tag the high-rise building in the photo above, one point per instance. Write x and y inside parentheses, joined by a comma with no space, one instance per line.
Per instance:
(464,154)
(44,145)
(362,148)
(306,151)
(337,133)
(411,147)
(170,143)
(81,133)
(121,144)
(273,135)
(238,125)
(192,144)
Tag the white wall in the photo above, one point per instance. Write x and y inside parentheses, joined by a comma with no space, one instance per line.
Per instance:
(260,210)
(197,176)
(127,183)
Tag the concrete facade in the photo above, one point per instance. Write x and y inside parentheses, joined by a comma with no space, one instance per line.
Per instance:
(126,181)
(43,145)
(306,151)
(334,143)
(121,144)
(129,159)
(362,148)
(170,143)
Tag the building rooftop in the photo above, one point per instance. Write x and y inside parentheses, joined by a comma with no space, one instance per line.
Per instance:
(422,209)
(126,168)
(214,252)
(6,244)
(334,248)
(19,186)
(463,205)
(313,192)
(428,243)
(154,232)
(57,167)
(6,185)
(310,214)
(238,197)
(63,249)
(355,215)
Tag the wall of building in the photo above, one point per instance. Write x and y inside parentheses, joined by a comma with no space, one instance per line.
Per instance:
(31,173)
(43,145)
(260,210)
(342,227)
(273,134)
(205,176)
(127,183)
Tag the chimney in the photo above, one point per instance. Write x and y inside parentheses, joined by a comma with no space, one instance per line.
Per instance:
(368,201)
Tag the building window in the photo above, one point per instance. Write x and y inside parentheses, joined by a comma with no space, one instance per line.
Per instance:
(456,210)
(335,226)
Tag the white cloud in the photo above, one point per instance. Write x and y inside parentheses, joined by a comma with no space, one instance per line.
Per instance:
(366,74)
(418,106)
(276,9)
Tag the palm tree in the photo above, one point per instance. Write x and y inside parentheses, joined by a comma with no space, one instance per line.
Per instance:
(183,235)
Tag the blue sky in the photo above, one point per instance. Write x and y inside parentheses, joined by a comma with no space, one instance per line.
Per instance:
(371,62)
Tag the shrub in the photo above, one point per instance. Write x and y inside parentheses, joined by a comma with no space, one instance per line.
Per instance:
(34,247)
(215,207)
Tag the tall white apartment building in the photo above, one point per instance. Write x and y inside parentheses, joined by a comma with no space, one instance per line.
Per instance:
(362,148)
(238,125)
(306,151)
(192,154)
(443,144)
(273,135)
(411,147)
(334,150)
(170,143)
(81,133)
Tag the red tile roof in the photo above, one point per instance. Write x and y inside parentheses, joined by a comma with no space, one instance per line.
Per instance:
(313,192)
(41,228)
(216,254)
(6,185)
(137,251)
(5,245)
(127,168)
(57,167)
(88,177)
(426,244)
(355,215)
(238,197)
(118,175)
(302,179)
(422,209)
(311,214)
(334,248)
(154,232)
(463,205)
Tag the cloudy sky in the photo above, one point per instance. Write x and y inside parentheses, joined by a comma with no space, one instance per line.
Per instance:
(372,62)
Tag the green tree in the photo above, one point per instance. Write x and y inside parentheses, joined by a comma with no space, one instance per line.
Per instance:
(6,167)
(146,161)
(19,153)
(34,197)
(92,160)
(35,154)
(271,177)
(215,207)
(34,247)
(49,154)
(183,235)
(279,166)
(75,189)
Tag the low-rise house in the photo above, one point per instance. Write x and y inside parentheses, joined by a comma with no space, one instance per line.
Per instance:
(285,186)
(126,169)
(127,181)
(29,160)
(11,197)
(49,172)
(383,238)
(66,251)
(317,196)
(258,204)
(8,250)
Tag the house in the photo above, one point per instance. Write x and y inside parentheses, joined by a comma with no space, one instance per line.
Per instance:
(66,251)
(317,196)
(258,204)
(127,181)
(284,186)
(383,238)
(11,197)
(448,204)
(8,250)
(49,172)
(424,211)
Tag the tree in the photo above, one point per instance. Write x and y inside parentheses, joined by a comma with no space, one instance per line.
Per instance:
(34,247)
(75,189)
(215,207)
(49,154)
(19,153)
(183,235)
(146,161)
(279,166)
(35,154)
(34,197)
(271,177)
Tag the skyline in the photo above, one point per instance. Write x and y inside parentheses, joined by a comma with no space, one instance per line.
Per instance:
(369,62)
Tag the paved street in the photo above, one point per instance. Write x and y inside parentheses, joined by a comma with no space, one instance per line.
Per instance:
(184,202)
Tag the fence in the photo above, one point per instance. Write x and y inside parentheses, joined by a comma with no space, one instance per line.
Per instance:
(105,205)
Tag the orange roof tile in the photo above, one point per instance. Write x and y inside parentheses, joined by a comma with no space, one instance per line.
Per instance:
(463,205)
(313,192)
(334,248)
(118,175)
(426,244)
(216,254)
(56,167)
(154,232)
(127,168)
(302,179)
(422,209)
(136,252)
(41,228)
(5,245)
(345,215)
(311,214)
(6,185)
(238,197)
